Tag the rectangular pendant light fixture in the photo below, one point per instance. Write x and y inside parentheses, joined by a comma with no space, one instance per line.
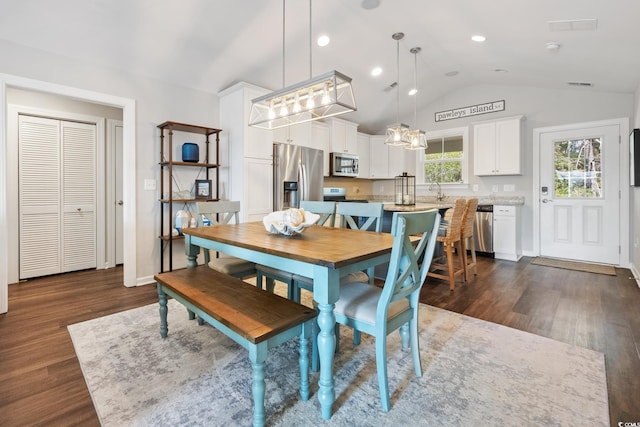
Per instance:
(327,95)
(397,135)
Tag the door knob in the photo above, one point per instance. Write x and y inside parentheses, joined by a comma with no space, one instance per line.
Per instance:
(547,201)
(120,202)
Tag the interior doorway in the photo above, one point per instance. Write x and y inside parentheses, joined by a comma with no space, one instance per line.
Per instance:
(128,172)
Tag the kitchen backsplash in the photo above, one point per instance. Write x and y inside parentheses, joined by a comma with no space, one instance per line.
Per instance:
(356,188)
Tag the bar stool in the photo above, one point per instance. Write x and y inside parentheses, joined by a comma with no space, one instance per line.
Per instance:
(468,239)
(450,235)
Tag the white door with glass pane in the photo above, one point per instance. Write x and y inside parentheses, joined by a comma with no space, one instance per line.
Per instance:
(579,194)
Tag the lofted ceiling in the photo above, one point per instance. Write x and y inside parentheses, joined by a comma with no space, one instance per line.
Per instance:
(212,44)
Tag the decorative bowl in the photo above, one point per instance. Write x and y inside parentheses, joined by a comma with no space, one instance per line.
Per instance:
(280,222)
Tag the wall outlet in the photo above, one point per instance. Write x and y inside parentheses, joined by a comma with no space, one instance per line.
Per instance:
(150,184)
(475,188)
(509,187)
(494,188)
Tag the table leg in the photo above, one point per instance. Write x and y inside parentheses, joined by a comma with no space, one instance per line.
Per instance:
(192,252)
(326,290)
(326,349)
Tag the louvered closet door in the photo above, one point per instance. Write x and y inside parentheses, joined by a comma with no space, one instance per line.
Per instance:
(57,196)
(79,196)
(39,186)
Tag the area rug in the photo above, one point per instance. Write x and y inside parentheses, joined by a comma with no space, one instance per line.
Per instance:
(574,265)
(474,373)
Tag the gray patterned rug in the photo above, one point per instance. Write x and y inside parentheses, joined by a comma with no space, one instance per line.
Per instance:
(475,373)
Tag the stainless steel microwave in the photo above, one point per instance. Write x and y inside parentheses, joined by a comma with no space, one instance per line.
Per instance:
(343,164)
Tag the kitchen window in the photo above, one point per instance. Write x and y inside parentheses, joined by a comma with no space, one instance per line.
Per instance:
(444,161)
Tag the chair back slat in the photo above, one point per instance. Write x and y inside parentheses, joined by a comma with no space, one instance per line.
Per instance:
(326,210)
(350,212)
(405,276)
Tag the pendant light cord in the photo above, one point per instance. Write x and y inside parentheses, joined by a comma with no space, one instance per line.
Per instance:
(310,43)
(283,27)
(398,80)
(415,86)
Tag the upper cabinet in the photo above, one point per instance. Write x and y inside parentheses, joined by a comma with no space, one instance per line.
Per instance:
(344,136)
(378,157)
(299,134)
(364,150)
(320,137)
(396,161)
(248,151)
(496,147)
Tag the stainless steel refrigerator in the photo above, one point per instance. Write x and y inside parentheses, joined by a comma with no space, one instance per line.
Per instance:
(297,175)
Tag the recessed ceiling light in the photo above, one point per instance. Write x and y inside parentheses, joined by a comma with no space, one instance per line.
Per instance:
(451,73)
(413,91)
(323,40)
(552,46)
(376,71)
(478,38)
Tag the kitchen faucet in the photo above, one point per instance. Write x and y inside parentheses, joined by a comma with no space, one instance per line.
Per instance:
(439,195)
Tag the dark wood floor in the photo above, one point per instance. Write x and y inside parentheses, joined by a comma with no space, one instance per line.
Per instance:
(41,382)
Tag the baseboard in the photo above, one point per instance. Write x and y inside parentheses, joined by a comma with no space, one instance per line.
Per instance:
(147,280)
(636,275)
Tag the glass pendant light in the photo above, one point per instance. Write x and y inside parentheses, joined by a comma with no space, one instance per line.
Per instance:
(398,133)
(417,137)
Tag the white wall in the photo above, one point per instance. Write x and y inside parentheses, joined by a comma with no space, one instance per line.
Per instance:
(634,203)
(156,102)
(541,108)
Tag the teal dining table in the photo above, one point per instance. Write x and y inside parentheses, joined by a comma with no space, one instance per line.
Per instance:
(321,253)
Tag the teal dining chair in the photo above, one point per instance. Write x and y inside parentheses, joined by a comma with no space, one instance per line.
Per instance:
(357,216)
(223,212)
(380,311)
(327,212)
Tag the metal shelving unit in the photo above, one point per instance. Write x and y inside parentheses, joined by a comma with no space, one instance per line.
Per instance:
(168,165)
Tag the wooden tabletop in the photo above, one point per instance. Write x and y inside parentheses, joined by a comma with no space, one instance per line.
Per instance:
(328,246)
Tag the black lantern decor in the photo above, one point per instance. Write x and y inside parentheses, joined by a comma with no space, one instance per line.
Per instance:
(405,189)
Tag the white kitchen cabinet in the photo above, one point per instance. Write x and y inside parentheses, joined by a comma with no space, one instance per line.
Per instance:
(321,140)
(300,134)
(496,147)
(364,149)
(258,200)
(344,136)
(379,157)
(250,151)
(506,232)
(396,161)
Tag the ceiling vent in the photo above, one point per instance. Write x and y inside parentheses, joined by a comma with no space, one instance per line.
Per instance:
(580,84)
(573,25)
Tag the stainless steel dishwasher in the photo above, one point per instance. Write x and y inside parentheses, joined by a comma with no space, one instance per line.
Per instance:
(483,229)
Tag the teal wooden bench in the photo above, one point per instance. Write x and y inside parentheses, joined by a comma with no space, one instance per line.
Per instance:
(256,319)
